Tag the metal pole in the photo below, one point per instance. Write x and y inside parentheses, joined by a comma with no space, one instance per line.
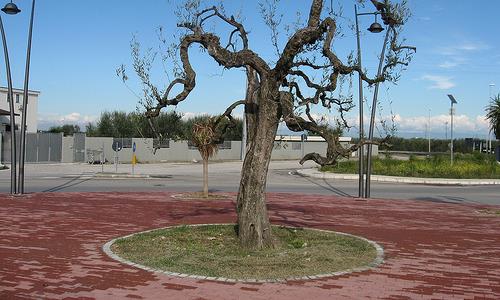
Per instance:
(451,133)
(429,132)
(25,104)
(361,125)
(10,96)
(372,117)
(102,159)
(490,150)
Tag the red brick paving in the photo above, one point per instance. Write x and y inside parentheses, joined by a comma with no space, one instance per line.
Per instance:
(50,247)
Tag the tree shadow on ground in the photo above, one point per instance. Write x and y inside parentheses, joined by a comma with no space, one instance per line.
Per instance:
(324,185)
(443,199)
(73,182)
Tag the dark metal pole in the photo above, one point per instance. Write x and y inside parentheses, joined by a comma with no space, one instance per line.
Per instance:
(372,117)
(25,104)
(10,96)
(361,125)
(451,134)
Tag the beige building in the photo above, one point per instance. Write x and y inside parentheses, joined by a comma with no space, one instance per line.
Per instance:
(32,113)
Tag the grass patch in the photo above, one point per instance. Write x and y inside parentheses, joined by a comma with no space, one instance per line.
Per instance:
(471,166)
(493,212)
(214,251)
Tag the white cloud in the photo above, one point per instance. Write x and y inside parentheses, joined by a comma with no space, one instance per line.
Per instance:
(439,82)
(190,115)
(461,123)
(449,64)
(45,121)
(462,48)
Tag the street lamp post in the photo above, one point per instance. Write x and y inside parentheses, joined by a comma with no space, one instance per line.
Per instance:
(374,28)
(446,130)
(372,120)
(429,132)
(25,104)
(11,9)
(453,101)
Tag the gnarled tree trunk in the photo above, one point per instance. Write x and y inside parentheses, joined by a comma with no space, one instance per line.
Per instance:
(253,221)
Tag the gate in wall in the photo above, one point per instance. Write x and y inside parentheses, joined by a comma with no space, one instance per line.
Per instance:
(40,147)
(79,147)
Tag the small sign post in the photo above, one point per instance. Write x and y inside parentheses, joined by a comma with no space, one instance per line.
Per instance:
(134,158)
(117,146)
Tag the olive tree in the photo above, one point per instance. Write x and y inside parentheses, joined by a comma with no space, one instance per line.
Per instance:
(284,90)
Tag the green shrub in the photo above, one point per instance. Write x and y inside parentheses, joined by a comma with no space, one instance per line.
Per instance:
(474,165)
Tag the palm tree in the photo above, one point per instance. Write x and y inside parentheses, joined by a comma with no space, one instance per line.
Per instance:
(493,115)
(204,137)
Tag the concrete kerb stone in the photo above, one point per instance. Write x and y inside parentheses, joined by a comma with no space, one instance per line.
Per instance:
(121,176)
(376,262)
(314,173)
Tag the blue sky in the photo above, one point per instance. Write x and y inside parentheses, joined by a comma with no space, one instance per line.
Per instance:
(77,46)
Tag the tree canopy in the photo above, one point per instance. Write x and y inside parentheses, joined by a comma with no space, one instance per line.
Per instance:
(307,73)
(172,126)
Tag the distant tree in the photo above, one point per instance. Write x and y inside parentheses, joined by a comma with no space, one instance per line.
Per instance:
(169,124)
(91,130)
(493,115)
(235,132)
(67,129)
(105,126)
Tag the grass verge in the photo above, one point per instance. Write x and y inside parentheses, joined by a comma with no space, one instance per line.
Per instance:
(214,251)
(465,166)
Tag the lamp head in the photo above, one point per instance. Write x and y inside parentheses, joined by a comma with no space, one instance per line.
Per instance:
(11,9)
(375,28)
(452,99)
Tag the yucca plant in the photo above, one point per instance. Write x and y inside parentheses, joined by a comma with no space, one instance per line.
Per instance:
(204,137)
(493,115)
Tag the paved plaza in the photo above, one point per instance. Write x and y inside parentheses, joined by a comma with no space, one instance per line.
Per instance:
(51,247)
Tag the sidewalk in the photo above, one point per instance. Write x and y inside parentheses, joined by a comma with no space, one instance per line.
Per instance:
(51,247)
(313,172)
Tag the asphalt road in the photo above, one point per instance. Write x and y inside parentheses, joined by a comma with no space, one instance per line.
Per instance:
(225,177)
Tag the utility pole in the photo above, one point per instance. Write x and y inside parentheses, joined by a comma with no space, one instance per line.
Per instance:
(429,132)
(452,112)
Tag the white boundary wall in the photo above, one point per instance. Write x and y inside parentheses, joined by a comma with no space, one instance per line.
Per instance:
(179,151)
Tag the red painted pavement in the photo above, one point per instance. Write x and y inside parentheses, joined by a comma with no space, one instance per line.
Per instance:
(50,247)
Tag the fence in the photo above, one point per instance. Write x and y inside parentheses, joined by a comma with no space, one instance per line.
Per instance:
(40,147)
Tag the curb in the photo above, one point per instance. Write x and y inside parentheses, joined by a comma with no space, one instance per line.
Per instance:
(120,175)
(314,173)
(374,264)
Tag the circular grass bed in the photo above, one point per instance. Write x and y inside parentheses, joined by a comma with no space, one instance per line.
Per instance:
(213,251)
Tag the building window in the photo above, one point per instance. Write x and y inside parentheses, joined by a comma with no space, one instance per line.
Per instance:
(126,142)
(17,98)
(161,143)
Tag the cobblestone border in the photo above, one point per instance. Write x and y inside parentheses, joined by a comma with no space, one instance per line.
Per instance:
(185,196)
(377,262)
